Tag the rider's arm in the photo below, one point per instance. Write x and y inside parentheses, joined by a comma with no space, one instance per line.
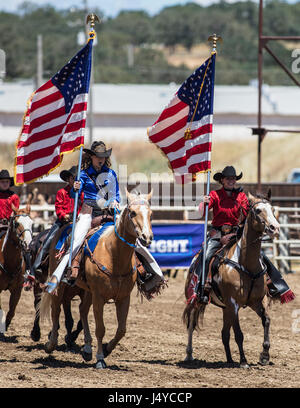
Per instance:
(15,200)
(209,200)
(59,205)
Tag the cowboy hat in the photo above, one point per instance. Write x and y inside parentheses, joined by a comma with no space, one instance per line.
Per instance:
(228,171)
(98,149)
(4,175)
(66,174)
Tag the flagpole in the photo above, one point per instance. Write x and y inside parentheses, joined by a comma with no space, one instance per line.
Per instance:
(92,18)
(213,38)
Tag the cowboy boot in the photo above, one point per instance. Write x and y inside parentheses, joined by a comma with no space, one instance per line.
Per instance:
(212,246)
(278,288)
(73,270)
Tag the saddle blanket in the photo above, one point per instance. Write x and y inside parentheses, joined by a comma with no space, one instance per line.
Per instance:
(92,242)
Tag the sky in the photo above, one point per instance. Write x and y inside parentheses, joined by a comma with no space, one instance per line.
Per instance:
(109,7)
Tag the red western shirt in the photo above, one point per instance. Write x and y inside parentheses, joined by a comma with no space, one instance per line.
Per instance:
(228,209)
(64,204)
(7,198)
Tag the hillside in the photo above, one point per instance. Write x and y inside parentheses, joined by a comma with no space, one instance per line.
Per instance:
(135,47)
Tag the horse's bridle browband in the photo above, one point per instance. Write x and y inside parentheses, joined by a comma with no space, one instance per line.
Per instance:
(24,230)
(252,209)
(139,201)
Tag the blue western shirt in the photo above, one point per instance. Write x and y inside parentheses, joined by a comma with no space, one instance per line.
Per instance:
(106,181)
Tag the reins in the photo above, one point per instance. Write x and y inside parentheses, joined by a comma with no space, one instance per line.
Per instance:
(116,232)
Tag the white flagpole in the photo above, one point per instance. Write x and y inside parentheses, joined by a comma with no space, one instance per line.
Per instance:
(213,38)
(75,207)
(205,238)
(91,18)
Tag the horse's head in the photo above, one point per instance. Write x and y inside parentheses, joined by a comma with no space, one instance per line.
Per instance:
(22,225)
(263,219)
(140,214)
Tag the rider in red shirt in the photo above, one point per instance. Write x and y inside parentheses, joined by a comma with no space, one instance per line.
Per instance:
(7,197)
(64,207)
(230,207)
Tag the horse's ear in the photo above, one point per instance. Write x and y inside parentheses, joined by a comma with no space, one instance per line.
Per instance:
(129,196)
(28,208)
(251,198)
(150,194)
(269,194)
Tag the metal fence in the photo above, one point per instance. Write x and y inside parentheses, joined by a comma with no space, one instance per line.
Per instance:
(284,251)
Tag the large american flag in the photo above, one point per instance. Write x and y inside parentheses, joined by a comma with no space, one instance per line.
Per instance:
(54,122)
(184,128)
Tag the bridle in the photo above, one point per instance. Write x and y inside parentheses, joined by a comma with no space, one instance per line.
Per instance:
(257,216)
(20,233)
(138,201)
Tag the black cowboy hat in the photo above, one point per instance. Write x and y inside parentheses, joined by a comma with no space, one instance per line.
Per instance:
(4,175)
(66,174)
(98,149)
(228,171)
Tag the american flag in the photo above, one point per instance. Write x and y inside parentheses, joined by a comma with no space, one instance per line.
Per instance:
(54,122)
(184,128)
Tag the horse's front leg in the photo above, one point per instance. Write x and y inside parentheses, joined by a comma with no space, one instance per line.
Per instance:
(69,322)
(191,327)
(122,308)
(263,312)
(15,295)
(238,334)
(227,324)
(36,331)
(84,308)
(98,306)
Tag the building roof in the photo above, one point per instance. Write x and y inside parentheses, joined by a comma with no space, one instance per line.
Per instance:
(124,99)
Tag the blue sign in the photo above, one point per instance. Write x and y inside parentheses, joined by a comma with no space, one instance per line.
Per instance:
(175,245)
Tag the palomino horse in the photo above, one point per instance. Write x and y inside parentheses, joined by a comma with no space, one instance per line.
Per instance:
(14,244)
(69,294)
(241,283)
(110,274)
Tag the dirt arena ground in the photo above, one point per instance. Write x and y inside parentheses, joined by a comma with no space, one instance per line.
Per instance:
(152,353)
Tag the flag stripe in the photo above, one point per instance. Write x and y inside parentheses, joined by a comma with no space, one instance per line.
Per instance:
(36,105)
(42,133)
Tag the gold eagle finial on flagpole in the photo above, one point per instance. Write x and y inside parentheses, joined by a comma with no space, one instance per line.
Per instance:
(92,19)
(214,38)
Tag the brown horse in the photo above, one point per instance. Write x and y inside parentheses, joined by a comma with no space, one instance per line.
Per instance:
(14,244)
(109,274)
(240,283)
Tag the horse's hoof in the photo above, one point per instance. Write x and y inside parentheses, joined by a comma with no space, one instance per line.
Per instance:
(101,364)
(105,351)
(244,365)
(189,359)
(86,356)
(264,360)
(49,348)
(35,335)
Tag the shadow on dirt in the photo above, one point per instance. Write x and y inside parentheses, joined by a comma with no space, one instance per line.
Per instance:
(8,339)
(195,364)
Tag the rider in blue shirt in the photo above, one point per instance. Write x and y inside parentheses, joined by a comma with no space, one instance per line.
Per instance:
(100,186)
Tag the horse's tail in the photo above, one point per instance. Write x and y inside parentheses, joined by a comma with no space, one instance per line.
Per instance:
(193,314)
(44,306)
